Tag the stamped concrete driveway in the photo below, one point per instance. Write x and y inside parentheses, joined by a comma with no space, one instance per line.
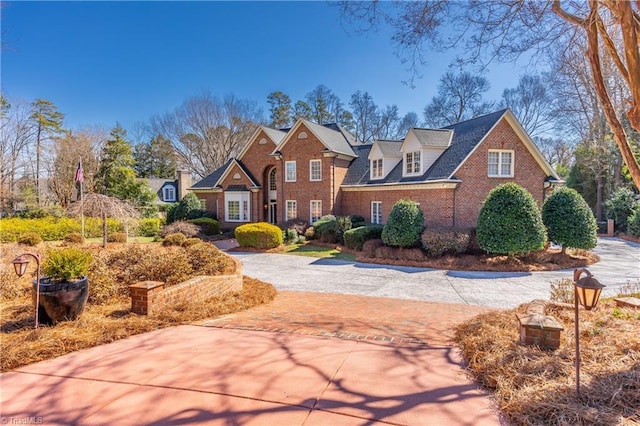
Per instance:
(620,263)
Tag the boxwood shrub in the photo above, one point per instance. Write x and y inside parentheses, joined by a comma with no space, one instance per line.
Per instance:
(52,228)
(30,239)
(207,225)
(569,220)
(148,227)
(510,222)
(355,238)
(259,235)
(404,226)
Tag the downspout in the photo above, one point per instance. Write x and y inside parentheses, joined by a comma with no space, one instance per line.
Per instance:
(455,205)
(333,184)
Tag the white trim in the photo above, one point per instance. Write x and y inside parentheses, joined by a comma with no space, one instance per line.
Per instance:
(244,205)
(311,162)
(296,126)
(413,172)
(500,153)
(286,171)
(228,170)
(380,169)
(165,191)
(377,219)
(439,184)
(286,209)
(311,210)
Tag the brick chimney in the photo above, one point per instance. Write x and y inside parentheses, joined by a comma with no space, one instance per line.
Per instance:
(183,182)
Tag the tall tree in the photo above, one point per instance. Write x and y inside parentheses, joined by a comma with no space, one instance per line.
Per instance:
(459,98)
(504,30)
(48,123)
(117,177)
(366,116)
(206,131)
(69,150)
(16,133)
(155,159)
(531,102)
(324,105)
(280,110)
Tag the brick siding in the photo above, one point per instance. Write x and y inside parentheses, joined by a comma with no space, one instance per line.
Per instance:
(149,297)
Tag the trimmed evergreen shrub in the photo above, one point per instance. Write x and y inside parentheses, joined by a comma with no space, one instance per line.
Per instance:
(620,206)
(259,235)
(355,238)
(404,226)
(117,237)
(510,221)
(569,220)
(54,229)
(357,221)
(325,230)
(188,208)
(30,239)
(148,227)
(633,223)
(171,212)
(207,225)
(438,241)
(176,239)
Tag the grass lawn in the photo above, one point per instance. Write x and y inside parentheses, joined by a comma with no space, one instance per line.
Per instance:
(321,252)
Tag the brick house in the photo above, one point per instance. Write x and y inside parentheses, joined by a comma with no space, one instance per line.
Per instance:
(312,170)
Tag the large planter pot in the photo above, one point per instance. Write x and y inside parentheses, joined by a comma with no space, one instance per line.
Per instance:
(60,301)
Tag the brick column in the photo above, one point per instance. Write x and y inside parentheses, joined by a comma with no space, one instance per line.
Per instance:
(142,295)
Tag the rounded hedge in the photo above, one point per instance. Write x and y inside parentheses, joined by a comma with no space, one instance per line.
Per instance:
(510,222)
(355,238)
(404,226)
(259,235)
(569,220)
(209,226)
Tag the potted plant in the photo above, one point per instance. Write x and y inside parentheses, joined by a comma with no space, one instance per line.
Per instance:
(64,288)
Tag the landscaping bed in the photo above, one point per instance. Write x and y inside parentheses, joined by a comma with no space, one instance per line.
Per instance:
(532,386)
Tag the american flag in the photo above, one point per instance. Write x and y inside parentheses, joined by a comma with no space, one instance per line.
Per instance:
(79,173)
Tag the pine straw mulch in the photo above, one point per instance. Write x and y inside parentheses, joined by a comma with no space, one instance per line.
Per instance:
(21,345)
(536,387)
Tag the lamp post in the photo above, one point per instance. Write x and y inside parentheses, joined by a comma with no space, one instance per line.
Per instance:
(20,265)
(587,293)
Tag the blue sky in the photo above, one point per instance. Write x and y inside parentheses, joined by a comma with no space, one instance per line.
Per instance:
(108,62)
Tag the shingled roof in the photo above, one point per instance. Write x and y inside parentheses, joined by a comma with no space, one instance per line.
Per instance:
(433,137)
(466,136)
(212,180)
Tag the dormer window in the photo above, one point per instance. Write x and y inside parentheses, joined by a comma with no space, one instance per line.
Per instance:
(168,193)
(412,163)
(376,169)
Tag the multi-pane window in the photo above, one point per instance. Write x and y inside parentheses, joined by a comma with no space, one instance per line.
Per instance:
(376,212)
(237,206)
(290,170)
(203,203)
(376,168)
(412,162)
(272,180)
(315,170)
(316,210)
(292,209)
(169,193)
(500,163)
(233,211)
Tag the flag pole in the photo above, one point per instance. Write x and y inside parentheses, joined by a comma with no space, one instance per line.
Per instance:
(80,179)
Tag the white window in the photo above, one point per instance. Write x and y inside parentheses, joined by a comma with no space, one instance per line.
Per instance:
(168,193)
(316,210)
(412,163)
(315,170)
(500,163)
(376,169)
(292,209)
(203,203)
(376,212)
(237,206)
(272,180)
(290,167)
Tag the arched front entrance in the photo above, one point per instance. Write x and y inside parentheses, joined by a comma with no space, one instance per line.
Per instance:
(271,195)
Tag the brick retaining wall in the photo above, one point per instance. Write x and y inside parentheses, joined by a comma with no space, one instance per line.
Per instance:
(148,297)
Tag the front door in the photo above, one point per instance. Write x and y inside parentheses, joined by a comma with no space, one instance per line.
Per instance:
(273,211)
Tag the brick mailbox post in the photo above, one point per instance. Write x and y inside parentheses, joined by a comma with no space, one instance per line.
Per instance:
(539,329)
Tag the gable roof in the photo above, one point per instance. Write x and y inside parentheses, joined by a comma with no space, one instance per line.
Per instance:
(333,140)
(276,137)
(214,179)
(467,135)
(389,148)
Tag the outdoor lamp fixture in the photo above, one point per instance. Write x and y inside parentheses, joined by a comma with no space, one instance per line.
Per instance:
(20,265)
(587,293)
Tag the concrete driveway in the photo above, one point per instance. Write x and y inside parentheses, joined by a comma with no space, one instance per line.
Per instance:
(619,264)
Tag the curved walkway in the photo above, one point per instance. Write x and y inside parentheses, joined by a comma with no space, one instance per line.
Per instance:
(620,263)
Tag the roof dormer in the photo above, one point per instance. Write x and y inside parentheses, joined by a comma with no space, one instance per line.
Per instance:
(421,148)
(383,157)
